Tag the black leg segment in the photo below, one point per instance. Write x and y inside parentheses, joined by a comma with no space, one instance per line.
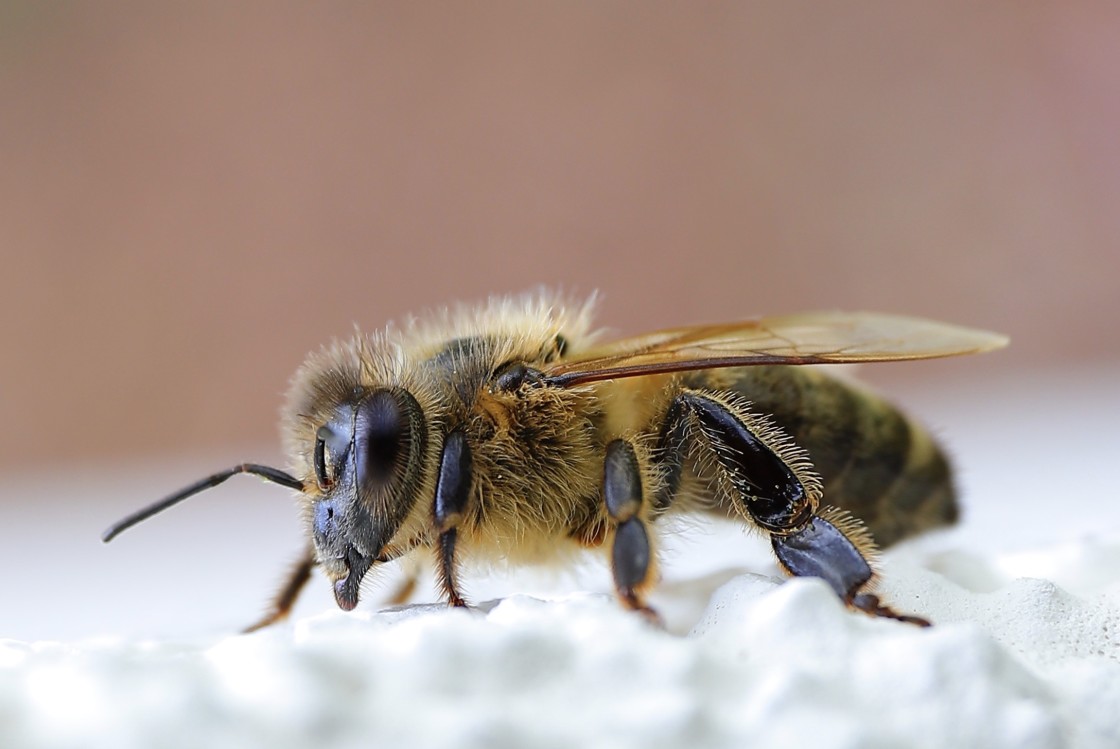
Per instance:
(622,481)
(630,558)
(764,475)
(770,490)
(821,550)
(631,554)
(448,575)
(452,493)
(836,550)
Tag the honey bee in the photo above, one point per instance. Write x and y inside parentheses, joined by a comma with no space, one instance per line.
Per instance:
(505,432)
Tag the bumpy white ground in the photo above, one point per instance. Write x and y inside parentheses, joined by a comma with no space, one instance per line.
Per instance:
(768,664)
(1025,651)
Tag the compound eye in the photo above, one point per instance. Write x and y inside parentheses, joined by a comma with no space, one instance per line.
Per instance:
(383,429)
(321,458)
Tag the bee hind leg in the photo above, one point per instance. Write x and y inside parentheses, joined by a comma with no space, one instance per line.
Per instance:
(836,551)
(766,479)
(632,560)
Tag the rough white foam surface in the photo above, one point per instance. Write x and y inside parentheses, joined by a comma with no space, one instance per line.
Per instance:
(1025,651)
(770,663)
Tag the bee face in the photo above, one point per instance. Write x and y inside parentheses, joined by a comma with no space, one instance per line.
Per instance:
(366,458)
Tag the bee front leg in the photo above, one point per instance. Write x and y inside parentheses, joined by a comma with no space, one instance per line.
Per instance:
(766,478)
(452,492)
(289,593)
(632,552)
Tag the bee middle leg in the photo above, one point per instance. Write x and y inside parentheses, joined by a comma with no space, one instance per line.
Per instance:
(402,593)
(632,562)
(767,479)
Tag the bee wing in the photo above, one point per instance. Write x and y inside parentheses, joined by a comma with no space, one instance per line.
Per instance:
(806,338)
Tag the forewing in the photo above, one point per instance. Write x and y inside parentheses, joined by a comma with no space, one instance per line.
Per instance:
(807,338)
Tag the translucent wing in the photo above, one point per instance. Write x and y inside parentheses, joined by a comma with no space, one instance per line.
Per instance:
(807,338)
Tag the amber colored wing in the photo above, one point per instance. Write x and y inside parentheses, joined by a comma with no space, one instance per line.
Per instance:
(806,338)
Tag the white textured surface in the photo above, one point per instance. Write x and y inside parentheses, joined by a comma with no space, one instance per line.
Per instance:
(1025,651)
(769,664)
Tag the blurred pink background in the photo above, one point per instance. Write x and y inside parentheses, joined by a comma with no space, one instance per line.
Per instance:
(192,197)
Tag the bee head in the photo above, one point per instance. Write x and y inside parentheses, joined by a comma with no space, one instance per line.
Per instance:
(367,461)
